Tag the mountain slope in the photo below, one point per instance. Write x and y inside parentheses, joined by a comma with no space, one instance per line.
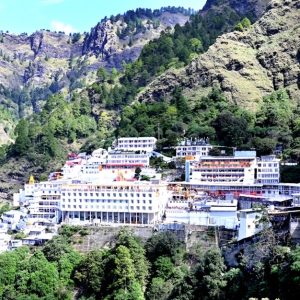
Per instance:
(48,62)
(245,65)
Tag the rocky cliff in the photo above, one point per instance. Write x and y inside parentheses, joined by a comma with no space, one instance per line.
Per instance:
(253,8)
(245,65)
(51,61)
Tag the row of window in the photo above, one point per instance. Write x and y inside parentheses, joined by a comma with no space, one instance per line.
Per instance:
(126,195)
(106,201)
(268,175)
(192,153)
(194,148)
(136,146)
(121,141)
(268,165)
(120,207)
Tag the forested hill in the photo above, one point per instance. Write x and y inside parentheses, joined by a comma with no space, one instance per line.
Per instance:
(32,67)
(247,64)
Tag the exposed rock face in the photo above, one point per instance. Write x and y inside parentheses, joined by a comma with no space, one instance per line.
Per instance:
(36,42)
(53,61)
(104,42)
(246,65)
(254,8)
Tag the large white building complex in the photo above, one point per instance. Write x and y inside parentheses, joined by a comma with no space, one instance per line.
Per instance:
(118,186)
(116,202)
(112,202)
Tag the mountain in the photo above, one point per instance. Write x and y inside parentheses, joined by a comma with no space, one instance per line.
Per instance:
(254,9)
(246,65)
(94,107)
(32,67)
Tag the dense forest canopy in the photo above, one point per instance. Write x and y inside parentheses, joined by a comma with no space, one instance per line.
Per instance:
(161,268)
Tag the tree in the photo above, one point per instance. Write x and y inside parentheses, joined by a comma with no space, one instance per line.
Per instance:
(137,253)
(102,74)
(196,45)
(211,276)
(125,285)
(239,27)
(231,130)
(164,268)
(76,37)
(246,23)
(90,273)
(264,146)
(44,278)
(159,289)
(162,244)
(22,143)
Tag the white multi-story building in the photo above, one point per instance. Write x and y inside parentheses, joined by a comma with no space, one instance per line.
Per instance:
(222,169)
(42,199)
(193,148)
(147,144)
(115,202)
(242,167)
(123,158)
(268,169)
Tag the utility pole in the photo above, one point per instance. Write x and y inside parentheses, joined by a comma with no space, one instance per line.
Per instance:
(158,131)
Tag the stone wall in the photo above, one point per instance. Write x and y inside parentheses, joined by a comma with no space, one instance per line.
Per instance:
(105,236)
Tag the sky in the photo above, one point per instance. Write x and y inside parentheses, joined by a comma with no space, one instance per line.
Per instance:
(19,16)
